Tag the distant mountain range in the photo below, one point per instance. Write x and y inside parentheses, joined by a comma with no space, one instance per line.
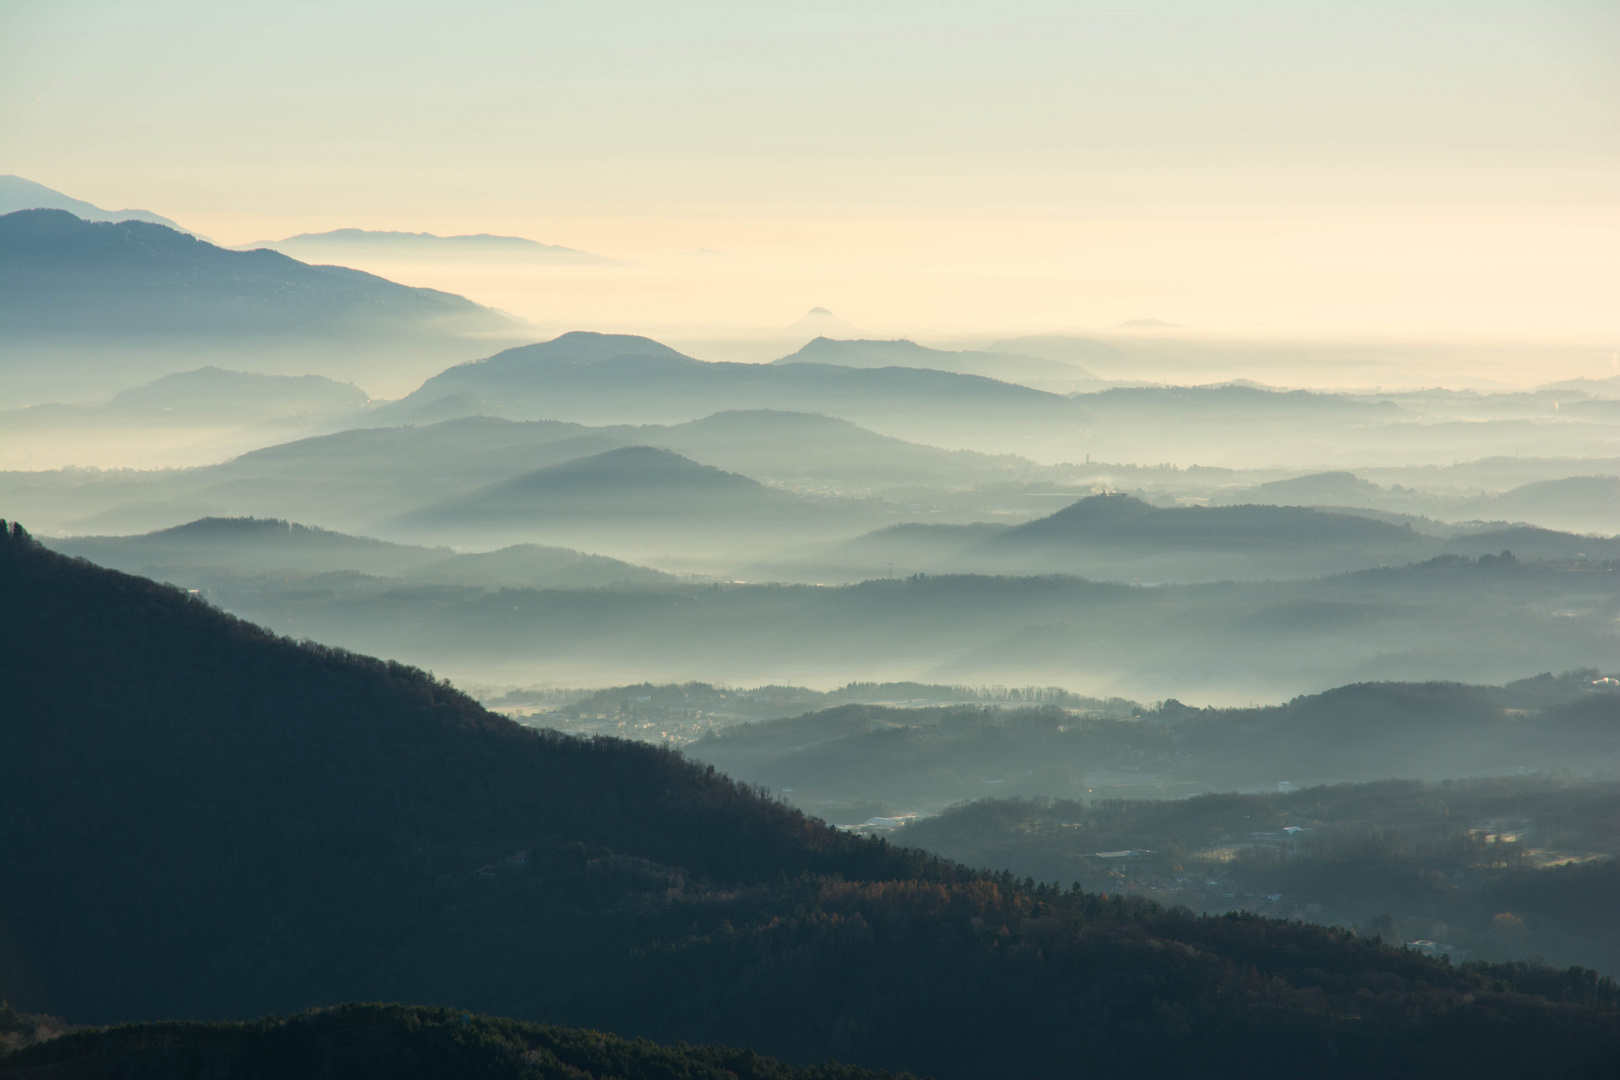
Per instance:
(1120,537)
(217,393)
(1606,387)
(215,551)
(636,495)
(208,396)
(1065,348)
(1121,521)
(358,478)
(345,829)
(62,274)
(365,243)
(1576,502)
(616,378)
(1475,619)
(88,307)
(188,418)
(929,759)
(16,193)
(1044,374)
(1583,504)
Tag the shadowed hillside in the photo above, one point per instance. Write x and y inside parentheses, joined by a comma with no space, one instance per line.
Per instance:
(225,823)
(1510,867)
(388,1042)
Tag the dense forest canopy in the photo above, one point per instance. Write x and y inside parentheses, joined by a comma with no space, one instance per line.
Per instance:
(389,1042)
(1502,868)
(222,823)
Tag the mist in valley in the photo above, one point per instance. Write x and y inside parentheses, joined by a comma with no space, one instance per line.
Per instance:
(1244,548)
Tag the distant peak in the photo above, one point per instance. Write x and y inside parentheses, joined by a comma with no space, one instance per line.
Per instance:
(20,193)
(819,320)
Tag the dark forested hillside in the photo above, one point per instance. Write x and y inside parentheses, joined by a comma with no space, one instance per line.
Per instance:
(1490,869)
(388,1042)
(199,819)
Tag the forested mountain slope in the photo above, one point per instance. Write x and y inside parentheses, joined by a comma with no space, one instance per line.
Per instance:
(388,1042)
(203,820)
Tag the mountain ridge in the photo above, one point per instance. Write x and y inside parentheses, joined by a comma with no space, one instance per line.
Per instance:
(348,828)
(363,242)
(1039,372)
(20,193)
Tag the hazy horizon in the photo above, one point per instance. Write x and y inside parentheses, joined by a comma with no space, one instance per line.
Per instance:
(1258,172)
(964,539)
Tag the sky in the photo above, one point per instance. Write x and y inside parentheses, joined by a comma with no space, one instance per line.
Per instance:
(1382,170)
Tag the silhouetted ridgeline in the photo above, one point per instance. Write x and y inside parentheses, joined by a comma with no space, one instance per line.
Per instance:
(926,759)
(68,275)
(203,820)
(389,1042)
(623,378)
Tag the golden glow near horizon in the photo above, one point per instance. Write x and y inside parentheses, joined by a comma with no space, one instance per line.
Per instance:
(1445,171)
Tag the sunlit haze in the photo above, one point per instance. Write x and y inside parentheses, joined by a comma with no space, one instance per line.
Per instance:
(1444,172)
(978,539)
